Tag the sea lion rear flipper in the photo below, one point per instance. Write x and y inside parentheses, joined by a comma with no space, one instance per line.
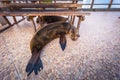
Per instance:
(62,41)
(35,63)
(38,65)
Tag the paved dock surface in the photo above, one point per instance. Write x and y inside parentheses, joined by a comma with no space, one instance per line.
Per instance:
(94,56)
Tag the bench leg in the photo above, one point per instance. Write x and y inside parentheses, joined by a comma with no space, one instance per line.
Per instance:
(73,19)
(34,25)
(14,18)
(80,18)
(7,20)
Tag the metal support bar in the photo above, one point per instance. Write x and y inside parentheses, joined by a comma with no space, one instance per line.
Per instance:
(92,3)
(7,20)
(109,6)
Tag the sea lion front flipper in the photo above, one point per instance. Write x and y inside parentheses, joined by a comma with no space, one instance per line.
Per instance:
(63,41)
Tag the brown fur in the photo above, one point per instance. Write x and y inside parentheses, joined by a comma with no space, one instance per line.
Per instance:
(50,19)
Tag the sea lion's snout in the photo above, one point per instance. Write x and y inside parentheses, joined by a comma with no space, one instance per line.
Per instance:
(74,33)
(75,37)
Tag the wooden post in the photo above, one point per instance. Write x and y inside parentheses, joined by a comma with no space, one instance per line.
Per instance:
(54,1)
(14,18)
(26,1)
(7,20)
(40,23)
(68,18)
(73,17)
(34,25)
(79,21)
(23,17)
(109,6)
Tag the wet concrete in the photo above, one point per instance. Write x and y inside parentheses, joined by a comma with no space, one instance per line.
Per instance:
(94,56)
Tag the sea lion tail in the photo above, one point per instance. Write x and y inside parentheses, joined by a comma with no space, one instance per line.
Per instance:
(34,64)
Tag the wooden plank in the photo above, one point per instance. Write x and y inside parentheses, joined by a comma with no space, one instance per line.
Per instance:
(35,0)
(43,13)
(42,5)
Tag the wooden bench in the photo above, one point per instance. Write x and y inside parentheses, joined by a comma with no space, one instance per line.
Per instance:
(51,9)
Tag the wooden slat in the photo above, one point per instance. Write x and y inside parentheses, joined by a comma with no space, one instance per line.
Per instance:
(42,5)
(33,0)
(43,13)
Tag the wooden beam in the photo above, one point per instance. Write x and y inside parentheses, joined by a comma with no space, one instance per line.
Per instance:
(42,5)
(43,13)
(35,0)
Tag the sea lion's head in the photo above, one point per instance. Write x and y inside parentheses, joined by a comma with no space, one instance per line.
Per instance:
(74,33)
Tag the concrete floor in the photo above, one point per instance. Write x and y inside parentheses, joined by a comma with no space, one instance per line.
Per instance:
(94,56)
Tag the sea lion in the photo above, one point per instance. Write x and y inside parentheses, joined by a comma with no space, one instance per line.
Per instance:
(44,36)
(49,19)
